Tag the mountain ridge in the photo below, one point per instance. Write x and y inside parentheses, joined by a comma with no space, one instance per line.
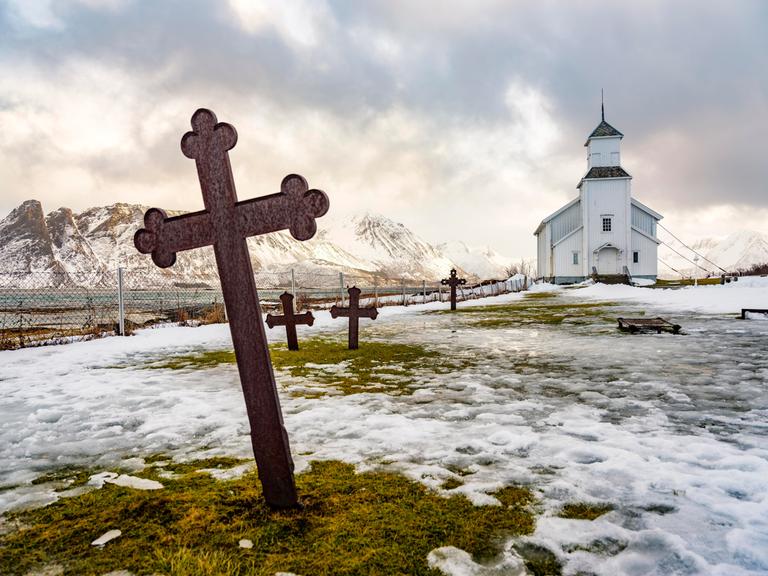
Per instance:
(85,248)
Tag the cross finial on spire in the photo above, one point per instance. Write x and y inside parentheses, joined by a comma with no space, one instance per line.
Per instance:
(602,105)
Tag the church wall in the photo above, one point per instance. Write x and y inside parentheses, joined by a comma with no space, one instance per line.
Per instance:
(565,222)
(644,221)
(648,253)
(563,256)
(608,197)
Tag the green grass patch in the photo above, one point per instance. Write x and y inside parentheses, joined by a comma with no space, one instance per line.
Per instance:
(66,477)
(369,523)
(539,295)
(537,308)
(451,483)
(216,463)
(685,282)
(539,560)
(377,366)
(584,511)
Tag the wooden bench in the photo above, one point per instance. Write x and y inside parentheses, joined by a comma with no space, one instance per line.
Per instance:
(754,310)
(657,325)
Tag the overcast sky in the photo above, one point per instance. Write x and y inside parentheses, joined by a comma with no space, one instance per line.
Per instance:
(465,120)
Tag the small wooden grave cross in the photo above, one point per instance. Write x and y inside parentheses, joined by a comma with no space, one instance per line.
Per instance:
(354,313)
(289,319)
(226,224)
(453,280)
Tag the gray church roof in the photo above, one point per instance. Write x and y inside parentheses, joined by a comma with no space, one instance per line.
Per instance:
(604,129)
(604,172)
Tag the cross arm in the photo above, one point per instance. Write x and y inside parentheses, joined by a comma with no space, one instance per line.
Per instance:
(294,208)
(371,313)
(163,236)
(337,311)
(273,321)
(306,318)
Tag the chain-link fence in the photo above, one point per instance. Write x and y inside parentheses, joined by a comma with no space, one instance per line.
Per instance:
(51,307)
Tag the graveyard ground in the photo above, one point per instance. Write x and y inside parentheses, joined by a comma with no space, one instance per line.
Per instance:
(523,430)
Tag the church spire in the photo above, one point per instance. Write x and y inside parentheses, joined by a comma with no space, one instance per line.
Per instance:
(602,105)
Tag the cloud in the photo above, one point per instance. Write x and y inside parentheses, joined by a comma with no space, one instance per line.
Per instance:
(300,23)
(46,14)
(464,121)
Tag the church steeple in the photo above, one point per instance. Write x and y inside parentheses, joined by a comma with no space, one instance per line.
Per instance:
(603,130)
(603,144)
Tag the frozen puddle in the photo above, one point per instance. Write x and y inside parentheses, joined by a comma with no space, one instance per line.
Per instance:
(671,431)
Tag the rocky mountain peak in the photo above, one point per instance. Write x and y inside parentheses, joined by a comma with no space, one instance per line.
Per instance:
(93,243)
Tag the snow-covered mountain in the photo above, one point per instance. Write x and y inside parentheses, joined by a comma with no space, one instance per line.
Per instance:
(87,248)
(738,251)
(483,261)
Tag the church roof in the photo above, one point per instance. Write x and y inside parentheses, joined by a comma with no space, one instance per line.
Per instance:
(604,129)
(597,172)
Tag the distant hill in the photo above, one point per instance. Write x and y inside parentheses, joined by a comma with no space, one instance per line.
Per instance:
(85,248)
(738,251)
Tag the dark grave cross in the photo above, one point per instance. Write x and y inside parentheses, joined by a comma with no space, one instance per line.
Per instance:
(354,313)
(453,281)
(226,224)
(289,319)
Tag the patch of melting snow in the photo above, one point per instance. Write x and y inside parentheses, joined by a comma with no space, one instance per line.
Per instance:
(106,537)
(453,561)
(245,543)
(124,480)
(669,430)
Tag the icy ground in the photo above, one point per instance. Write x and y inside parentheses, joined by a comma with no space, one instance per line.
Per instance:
(670,430)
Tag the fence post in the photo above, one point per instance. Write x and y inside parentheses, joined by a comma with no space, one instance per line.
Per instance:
(439,291)
(120,303)
(402,280)
(423,291)
(341,287)
(376,291)
(293,283)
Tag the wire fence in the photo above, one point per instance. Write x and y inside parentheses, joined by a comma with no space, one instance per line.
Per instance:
(51,308)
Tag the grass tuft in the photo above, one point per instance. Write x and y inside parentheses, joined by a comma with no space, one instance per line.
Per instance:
(377,366)
(584,511)
(369,523)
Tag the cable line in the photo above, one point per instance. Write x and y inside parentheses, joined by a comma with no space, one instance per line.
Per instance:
(683,257)
(673,269)
(689,248)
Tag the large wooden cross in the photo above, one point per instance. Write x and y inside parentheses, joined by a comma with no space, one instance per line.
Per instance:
(453,281)
(354,313)
(289,319)
(226,224)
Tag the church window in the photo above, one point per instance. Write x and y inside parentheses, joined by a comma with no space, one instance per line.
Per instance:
(635,257)
(575,257)
(607,224)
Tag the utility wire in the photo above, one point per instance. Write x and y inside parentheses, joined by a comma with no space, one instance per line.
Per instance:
(683,257)
(689,248)
(673,269)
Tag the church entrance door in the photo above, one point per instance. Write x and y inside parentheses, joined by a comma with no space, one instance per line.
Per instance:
(608,261)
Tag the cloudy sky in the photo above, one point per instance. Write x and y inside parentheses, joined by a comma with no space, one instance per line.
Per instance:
(462,119)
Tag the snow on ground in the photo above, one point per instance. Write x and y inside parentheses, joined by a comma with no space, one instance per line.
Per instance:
(748,292)
(671,430)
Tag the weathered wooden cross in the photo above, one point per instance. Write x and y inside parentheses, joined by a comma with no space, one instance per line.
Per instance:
(289,319)
(453,281)
(226,224)
(354,313)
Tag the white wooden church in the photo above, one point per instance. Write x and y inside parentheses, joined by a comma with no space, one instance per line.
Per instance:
(604,229)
